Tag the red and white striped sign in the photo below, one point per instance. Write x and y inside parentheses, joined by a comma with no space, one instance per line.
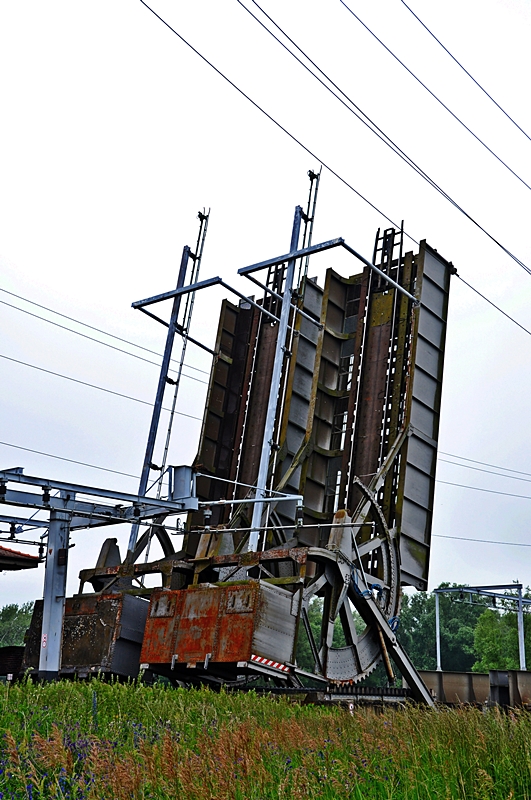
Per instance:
(266,662)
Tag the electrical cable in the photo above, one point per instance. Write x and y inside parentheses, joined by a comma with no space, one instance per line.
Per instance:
(383,137)
(93,386)
(466,71)
(129,475)
(479,489)
(505,314)
(376,130)
(92,327)
(460,121)
(70,460)
(274,121)
(489,471)
(484,463)
(311,153)
(485,541)
(342,180)
(98,341)
(189,366)
(364,118)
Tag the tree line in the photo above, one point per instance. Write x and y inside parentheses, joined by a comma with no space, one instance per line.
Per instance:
(476,636)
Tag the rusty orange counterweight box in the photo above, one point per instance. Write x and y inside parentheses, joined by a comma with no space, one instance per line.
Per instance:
(205,625)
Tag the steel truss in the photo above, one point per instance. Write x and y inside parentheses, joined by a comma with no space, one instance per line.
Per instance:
(321,400)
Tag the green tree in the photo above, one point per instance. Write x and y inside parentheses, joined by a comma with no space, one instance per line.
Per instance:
(458,619)
(14,621)
(315,615)
(496,641)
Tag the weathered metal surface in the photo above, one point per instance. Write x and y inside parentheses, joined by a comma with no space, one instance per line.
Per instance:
(362,650)
(176,571)
(373,362)
(197,627)
(499,687)
(455,688)
(30,660)
(207,625)
(250,446)
(11,660)
(519,688)
(357,428)
(227,395)
(414,503)
(275,627)
(101,633)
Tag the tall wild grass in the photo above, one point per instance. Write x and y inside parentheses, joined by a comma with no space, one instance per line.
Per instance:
(114,741)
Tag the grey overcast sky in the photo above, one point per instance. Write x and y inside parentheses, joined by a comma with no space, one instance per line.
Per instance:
(114,134)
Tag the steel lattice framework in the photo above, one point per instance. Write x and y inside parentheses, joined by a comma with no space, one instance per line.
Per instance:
(314,480)
(356,428)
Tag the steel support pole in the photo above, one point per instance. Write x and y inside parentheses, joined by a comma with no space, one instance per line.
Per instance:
(521,638)
(54,595)
(438,632)
(274,389)
(157,408)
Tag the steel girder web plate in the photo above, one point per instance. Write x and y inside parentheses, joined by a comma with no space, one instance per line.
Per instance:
(345,571)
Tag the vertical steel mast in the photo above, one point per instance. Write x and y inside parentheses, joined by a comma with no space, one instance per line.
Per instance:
(280,351)
(173,328)
(54,594)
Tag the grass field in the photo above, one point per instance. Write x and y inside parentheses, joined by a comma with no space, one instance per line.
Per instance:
(97,740)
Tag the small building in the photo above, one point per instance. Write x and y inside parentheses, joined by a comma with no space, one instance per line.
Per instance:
(14,559)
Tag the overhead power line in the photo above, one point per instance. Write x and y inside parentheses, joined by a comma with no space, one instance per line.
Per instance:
(129,475)
(449,110)
(484,463)
(489,471)
(489,491)
(485,541)
(93,386)
(93,328)
(313,155)
(275,122)
(353,108)
(505,314)
(310,152)
(70,460)
(368,122)
(92,339)
(466,71)
(371,125)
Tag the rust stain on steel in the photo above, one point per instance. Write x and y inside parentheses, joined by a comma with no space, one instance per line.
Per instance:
(196,631)
(251,446)
(244,395)
(101,632)
(297,554)
(364,284)
(400,384)
(372,394)
(221,423)
(165,610)
(201,621)
(169,567)
(90,629)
